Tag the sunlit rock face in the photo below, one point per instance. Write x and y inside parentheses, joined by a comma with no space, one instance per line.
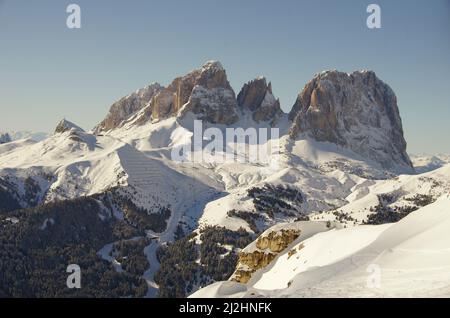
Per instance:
(357,111)
(127,106)
(257,97)
(268,246)
(205,92)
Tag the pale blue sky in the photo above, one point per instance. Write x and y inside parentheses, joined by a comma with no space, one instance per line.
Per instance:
(48,72)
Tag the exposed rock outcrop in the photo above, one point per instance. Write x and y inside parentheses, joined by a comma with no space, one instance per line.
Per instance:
(205,92)
(65,125)
(357,111)
(268,245)
(75,133)
(127,106)
(277,241)
(257,97)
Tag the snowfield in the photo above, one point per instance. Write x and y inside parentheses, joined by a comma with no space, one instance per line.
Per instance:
(410,258)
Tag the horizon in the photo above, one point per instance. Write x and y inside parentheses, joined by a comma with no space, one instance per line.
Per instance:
(78,74)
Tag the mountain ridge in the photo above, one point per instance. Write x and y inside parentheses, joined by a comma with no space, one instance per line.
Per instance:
(201,214)
(354,110)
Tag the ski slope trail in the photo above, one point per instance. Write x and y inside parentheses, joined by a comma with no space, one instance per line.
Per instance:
(160,184)
(155,181)
(143,172)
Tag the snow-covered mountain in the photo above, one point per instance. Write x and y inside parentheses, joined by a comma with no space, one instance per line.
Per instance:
(357,111)
(337,160)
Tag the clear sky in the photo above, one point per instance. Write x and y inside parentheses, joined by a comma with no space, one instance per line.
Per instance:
(48,71)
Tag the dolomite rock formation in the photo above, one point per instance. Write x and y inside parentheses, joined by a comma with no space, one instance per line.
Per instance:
(257,97)
(127,106)
(205,92)
(277,241)
(357,111)
(268,246)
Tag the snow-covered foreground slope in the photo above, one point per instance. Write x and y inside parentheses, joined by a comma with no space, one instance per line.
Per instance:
(325,249)
(410,258)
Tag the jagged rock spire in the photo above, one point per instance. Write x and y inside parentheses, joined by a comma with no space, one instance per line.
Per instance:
(257,97)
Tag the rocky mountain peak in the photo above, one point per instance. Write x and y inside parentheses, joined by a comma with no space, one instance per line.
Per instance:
(65,125)
(357,111)
(213,65)
(123,109)
(213,75)
(257,97)
(205,92)
(4,138)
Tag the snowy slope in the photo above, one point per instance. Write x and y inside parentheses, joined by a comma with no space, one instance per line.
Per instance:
(11,146)
(330,178)
(401,191)
(75,163)
(412,258)
(327,176)
(327,248)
